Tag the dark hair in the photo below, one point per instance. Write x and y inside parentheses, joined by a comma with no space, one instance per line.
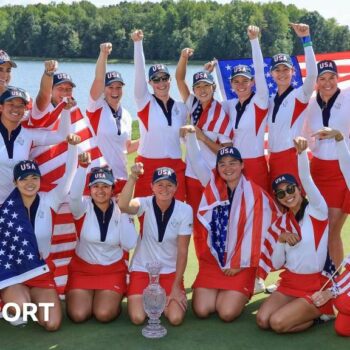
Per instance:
(300,214)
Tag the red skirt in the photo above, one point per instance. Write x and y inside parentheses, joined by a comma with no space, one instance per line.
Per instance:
(210,276)
(331,183)
(285,162)
(303,286)
(46,280)
(140,280)
(255,169)
(143,184)
(82,275)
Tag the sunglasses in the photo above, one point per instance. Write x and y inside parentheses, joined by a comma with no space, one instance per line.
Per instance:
(98,169)
(159,79)
(290,189)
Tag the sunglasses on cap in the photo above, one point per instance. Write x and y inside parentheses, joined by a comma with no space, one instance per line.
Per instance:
(97,169)
(159,79)
(290,189)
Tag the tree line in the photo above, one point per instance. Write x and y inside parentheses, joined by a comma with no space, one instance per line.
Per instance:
(76,30)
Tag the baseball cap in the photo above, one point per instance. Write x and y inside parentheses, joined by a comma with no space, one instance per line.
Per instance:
(14,92)
(326,66)
(25,168)
(157,68)
(204,76)
(241,70)
(60,78)
(112,77)
(4,57)
(228,151)
(279,59)
(164,173)
(284,178)
(101,174)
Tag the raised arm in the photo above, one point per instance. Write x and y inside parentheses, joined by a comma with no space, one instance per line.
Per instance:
(43,98)
(77,201)
(98,84)
(262,91)
(194,155)
(303,32)
(125,201)
(180,73)
(318,206)
(59,194)
(140,88)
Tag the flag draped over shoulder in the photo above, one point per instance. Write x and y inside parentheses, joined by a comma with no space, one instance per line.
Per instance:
(234,235)
(19,254)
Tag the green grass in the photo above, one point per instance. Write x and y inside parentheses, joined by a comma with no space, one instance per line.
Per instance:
(193,334)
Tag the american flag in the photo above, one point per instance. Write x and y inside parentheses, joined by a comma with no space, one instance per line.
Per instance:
(19,255)
(341,283)
(251,215)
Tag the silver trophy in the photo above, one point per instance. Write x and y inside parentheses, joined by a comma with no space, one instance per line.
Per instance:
(154,300)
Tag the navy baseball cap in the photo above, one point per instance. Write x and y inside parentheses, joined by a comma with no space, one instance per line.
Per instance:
(25,168)
(157,68)
(112,77)
(228,151)
(164,173)
(204,76)
(279,59)
(14,92)
(284,178)
(4,57)
(326,66)
(241,70)
(60,78)
(101,174)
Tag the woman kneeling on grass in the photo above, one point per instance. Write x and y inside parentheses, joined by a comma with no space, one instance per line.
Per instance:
(299,245)
(166,234)
(234,214)
(97,272)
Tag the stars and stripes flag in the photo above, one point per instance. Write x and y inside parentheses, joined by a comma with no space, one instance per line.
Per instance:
(341,283)
(51,160)
(252,212)
(19,255)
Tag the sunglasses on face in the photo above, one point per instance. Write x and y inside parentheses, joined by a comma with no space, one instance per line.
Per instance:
(97,169)
(159,79)
(290,189)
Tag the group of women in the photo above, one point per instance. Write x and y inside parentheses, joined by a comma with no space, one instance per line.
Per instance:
(236,203)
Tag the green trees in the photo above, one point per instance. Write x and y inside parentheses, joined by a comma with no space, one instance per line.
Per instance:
(210,28)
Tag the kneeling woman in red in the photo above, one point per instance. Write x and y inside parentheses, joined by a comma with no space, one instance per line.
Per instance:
(234,214)
(298,242)
(97,273)
(25,231)
(167,229)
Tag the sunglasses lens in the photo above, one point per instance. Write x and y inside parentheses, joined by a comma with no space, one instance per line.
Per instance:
(290,189)
(280,194)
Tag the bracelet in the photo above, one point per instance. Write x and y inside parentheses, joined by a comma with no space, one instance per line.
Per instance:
(49,74)
(306,40)
(339,137)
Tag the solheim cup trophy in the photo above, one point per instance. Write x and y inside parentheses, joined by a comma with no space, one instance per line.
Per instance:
(154,300)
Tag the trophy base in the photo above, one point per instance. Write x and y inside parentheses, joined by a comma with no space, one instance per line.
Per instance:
(154,331)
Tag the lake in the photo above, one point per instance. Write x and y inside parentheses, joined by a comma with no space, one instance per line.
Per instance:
(27,75)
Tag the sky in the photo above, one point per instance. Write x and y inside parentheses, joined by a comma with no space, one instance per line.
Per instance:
(338,9)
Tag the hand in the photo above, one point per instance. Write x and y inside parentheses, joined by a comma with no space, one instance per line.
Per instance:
(178,295)
(137,169)
(288,237)
(253,32)
(300,144)
(106,48)
(200,134)
(187,53)
(209,66)
(184,130)
(321,298)
(70,102)
(84,159)
(231,272)
(50,67)
(301,29)
(328,133)
(73,139)
(137,35)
